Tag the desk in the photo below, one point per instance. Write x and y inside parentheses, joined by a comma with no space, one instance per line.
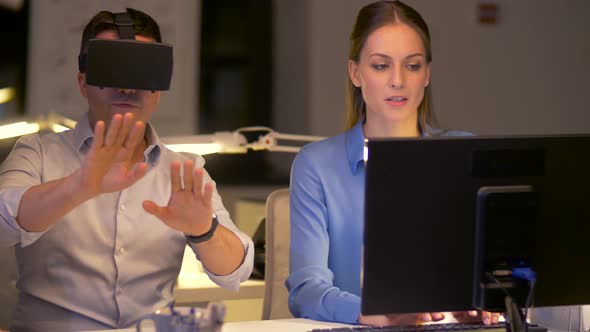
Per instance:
(282,325)
(195,289)
(244,305)
(201,289)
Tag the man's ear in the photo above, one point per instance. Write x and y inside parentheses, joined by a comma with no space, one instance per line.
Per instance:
(82,84)
(353,73)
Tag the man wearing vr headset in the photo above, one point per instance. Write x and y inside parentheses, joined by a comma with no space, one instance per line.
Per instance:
(100,214)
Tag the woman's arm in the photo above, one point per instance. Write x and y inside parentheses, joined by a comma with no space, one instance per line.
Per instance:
(311,290)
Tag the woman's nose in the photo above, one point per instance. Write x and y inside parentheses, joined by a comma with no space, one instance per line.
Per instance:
(396,80)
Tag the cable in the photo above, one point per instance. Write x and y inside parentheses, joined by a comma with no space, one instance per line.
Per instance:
(524,273)
(528,301)
(509,304)
(493,278)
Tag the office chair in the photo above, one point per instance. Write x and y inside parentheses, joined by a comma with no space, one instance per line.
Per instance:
(8,292)
(276,268)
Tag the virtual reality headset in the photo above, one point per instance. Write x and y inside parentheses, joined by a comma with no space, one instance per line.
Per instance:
(127,63)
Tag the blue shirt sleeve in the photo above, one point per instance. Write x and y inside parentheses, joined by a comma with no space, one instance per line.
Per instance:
(311,290)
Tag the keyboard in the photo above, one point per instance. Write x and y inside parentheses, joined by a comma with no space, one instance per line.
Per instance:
(450,327)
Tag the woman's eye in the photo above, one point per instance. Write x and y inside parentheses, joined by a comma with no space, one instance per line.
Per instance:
(380,66)
(414,66)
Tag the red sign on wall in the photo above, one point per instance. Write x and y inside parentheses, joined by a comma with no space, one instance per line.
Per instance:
(488,12)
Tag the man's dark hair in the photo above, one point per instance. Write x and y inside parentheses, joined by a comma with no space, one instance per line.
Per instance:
(143,25)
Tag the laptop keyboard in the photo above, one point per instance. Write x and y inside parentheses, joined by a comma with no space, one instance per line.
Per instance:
(450,327)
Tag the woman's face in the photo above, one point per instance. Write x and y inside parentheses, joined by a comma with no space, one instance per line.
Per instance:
(392,73)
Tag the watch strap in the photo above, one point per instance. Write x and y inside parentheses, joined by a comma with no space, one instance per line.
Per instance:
(207,235)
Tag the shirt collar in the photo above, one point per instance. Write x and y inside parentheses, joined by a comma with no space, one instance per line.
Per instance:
(83,137)
(155,146)
(83,134)
(355,143)
(429,131)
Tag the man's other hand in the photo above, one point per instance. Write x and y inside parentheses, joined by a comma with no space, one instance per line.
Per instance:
(189,209)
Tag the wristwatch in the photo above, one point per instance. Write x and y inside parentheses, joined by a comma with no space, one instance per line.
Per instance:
(207,235)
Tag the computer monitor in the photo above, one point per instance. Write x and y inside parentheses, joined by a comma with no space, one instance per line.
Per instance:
(423,249)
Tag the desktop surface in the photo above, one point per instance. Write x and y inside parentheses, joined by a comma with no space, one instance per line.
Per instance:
(308,325)
(200,287)
(282,325)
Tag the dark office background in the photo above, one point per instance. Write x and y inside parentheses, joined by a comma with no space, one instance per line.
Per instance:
(236,83)
(13,57)
(235,79)
(524,74)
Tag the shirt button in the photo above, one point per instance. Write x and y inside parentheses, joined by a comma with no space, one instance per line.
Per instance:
(123,207)
(122,250)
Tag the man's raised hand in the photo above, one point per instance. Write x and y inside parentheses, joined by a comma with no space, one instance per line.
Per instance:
(189,209)
(110,165)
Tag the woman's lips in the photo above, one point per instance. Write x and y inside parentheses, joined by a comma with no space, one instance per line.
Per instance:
(397,100)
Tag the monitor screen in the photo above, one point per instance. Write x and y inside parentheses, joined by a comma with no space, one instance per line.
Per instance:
(442,212)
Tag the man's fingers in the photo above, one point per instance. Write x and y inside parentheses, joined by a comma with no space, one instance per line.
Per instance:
(208,195)
(136,173)
(187,175)
(154,209)
(98,134)
(113,130)
(135,136)
(139,171)
(472,313)
(125,129)
(175,176)
(198,182)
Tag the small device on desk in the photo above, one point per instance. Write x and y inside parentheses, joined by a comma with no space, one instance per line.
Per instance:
(457,223)
(184,319)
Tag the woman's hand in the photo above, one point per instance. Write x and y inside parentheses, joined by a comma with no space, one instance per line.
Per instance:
(473,316)
(400,319)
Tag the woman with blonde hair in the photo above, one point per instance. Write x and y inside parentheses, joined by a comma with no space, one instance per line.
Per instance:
(388,96)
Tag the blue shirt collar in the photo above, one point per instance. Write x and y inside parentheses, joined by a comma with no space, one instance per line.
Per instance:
(83,136)
(355,144)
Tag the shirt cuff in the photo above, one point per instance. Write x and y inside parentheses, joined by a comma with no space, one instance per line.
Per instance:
(11,201)
(347,308)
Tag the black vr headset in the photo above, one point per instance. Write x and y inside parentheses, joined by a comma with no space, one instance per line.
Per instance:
(126,63)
